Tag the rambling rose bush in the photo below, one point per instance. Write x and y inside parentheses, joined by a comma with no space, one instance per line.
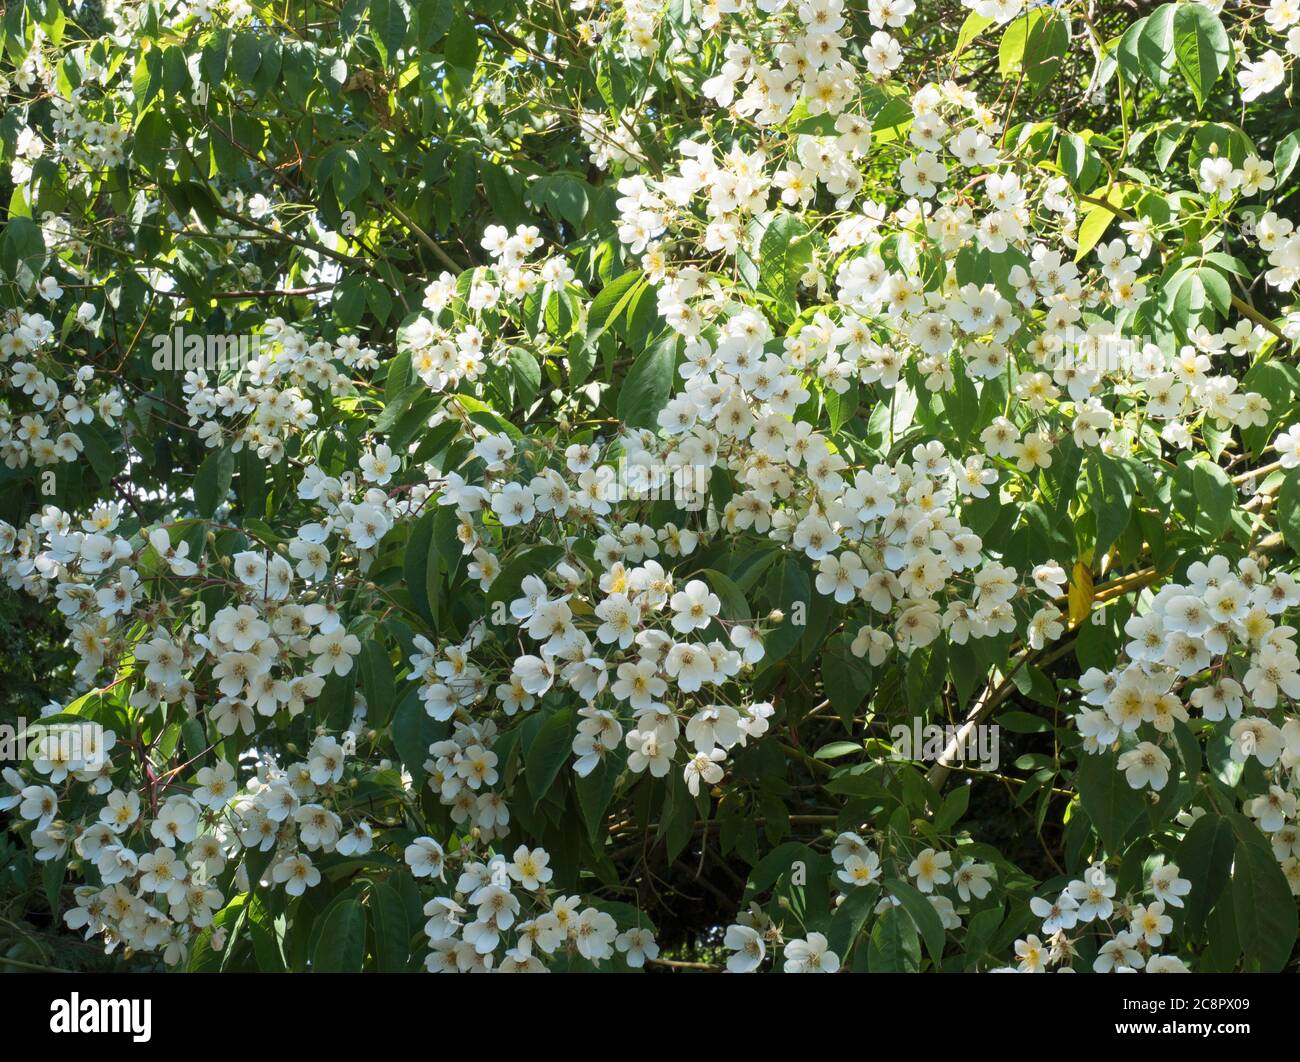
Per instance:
(790,485)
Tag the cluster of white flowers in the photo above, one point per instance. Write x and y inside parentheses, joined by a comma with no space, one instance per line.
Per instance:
(1265,74)
(157,862)
(1091,900)
(514,913)
(859,865)
(885,321)
(444,358)
(1212,647)
(39,411)
(804,58)
(269,401)
(748,940)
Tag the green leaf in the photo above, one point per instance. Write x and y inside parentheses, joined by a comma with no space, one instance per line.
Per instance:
(1285,156)
(341,946)
(776,864)
(415,563)
(1072,155)
(841,407)
(922,912)
(894,946)
(1288,509)
(836,749)
(215,54)
(611,301)
(546,755)
(954,807)
(849,918)
(927,671)
(1262,904)
(845,677)
(1205,859)
(1096,220)
(252,488)
(1214,497)
(597,789)
(246,55)
(648,385)
(1126,54)
(1113,489)
(1034,44)
(1112,805)
(434,19)
(564,195)
(388,24)
(526,375)
(212,481)
(98,453)
(483,414)
(398,405)
(1279,383)
(414,730)
(377,682)
(461,45)
(348,173)
(974,25)
(784,254)
(1201,48)
(391,929)
(203,957)
(1167,141)
(979,934)
(734,605)
(1022,723)
(1217,290)
(152,138)
(791,593)
(267,938)
(147,81)
(1155,45)
(335,704)
(21,245)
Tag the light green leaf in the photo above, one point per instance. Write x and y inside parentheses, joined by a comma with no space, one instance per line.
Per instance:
(1201,48)
(784,253)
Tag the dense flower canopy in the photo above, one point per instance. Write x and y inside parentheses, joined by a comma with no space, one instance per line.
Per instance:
(773,485)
